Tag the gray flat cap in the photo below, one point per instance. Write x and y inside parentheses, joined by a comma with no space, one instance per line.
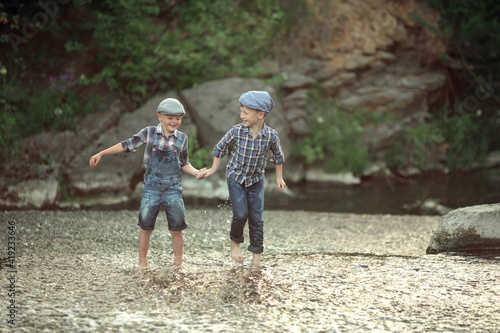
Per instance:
(171,106)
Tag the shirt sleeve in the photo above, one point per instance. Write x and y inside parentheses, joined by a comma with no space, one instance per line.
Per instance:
(278,155)
(136,141)
(184,155)
(220,149)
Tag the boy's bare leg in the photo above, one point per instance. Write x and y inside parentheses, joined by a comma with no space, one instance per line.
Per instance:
(144,237)
(236,252)
(256,260)
(177,244)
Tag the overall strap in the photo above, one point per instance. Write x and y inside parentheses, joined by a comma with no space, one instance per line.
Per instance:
(153,142)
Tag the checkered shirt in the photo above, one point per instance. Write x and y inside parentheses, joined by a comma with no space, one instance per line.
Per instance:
(249,156)
(145,136)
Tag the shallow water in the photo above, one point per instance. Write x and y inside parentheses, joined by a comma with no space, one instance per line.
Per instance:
(321,272)
(391,194)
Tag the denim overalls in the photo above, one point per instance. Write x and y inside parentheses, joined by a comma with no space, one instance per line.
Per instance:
(162,186)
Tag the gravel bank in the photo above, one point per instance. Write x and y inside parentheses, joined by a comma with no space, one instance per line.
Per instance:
(322,272)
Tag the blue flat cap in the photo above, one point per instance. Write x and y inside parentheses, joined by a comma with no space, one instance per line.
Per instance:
(171,106)
(257,100)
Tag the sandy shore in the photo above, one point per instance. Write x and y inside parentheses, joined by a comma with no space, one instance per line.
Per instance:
(322,272)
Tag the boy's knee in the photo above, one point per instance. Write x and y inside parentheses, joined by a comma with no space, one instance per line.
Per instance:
(240,214)
(176,233)
(240,218)
(146,231)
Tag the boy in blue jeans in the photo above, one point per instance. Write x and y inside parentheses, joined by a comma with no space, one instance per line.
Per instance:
(252,139)
(166,155)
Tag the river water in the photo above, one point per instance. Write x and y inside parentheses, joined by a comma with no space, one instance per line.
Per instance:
(392,194)
(321,272)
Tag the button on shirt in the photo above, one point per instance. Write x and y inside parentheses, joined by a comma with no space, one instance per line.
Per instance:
(145,136)
(249,156)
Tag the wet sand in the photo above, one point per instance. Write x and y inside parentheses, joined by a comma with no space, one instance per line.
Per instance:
(321,272)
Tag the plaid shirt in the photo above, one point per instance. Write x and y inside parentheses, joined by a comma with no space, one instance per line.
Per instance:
(249,157)
(145,136)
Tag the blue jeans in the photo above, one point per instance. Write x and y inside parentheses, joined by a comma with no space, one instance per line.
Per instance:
(248,204)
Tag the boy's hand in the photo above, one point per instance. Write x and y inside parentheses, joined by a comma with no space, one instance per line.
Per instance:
(201,173)
(209,172)
(281,184)
(94,160)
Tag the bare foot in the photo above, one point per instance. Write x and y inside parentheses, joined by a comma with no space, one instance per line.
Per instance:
(236,252)
(256,261)
(143,262)
(178,262)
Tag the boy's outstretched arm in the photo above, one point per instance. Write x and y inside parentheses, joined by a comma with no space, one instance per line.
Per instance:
(279,177)
(214,168)
(116,149)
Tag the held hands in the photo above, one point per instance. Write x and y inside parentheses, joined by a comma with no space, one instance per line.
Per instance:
(204,173)
(201,173)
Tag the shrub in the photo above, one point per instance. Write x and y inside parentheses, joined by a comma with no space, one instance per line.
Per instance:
(468,135)
(336,138)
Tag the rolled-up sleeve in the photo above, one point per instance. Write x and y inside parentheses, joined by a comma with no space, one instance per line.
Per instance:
(184,155)
(278,155)
(220,149)
(136,141)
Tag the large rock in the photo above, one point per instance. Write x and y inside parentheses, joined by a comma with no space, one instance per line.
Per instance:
(64,147)
(319,175)
(215,108)
(474,229)
(33,193)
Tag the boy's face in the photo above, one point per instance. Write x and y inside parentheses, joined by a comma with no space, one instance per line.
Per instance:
(169,122)
(250,117)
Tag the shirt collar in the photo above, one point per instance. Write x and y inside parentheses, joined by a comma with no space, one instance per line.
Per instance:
(263,132)
(159,130)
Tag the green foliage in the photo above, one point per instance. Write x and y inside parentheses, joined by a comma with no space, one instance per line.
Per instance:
(198,156)
(472,28)
(9,136)
(58,111)
(468,136)
(178,44)
(8,139)
(30,110)
(126,34)
(416,147)
(336,139)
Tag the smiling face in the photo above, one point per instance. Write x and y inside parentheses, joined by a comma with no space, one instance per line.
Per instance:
(169,122)
(251,117)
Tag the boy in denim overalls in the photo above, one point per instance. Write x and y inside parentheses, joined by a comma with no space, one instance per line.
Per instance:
(166,155)
(252,140)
